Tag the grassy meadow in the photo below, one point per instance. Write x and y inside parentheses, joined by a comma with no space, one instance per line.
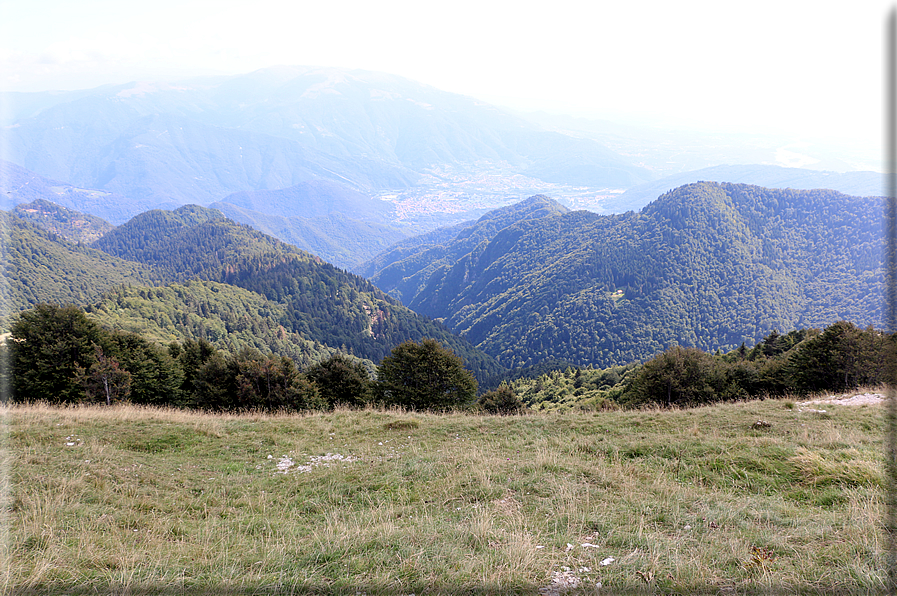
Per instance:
(740,498)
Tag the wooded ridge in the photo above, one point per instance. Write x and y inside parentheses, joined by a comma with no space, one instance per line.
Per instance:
(708,265)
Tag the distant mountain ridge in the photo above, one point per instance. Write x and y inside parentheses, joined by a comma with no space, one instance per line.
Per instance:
(19,185)
(706,265)
(341,225)
(199,140)
(857,184)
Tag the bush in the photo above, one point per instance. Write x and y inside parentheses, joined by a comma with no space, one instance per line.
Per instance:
(679,376)
(502,401)
(341,381)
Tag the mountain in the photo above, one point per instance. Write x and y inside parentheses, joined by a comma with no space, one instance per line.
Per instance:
(322,303)
(228,317)
(194,273)
(43,266)
(404,269)
(706,265)
(200,140)
(858,184)
(71,225)
(340,225)
(336,238)
(24,186)
(313,198)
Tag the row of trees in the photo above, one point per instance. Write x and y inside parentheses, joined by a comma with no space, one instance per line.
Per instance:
(840,357)
(58,354)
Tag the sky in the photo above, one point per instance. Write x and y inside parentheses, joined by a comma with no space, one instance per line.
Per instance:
(800,68)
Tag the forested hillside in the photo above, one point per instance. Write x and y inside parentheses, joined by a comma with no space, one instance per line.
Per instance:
(706,265)
(228,317)
(42,266)
(71,225)
(405,268)
(322,303)
(248,290)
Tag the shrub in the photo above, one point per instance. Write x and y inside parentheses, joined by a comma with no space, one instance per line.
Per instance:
(501,401)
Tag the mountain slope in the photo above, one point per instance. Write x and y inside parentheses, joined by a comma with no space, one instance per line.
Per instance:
(706,265)
(192,273)
(41,266)
(336,238)
(321,303)
(228,317)
(340,225)
(71,225)
(24,186)
(402,270)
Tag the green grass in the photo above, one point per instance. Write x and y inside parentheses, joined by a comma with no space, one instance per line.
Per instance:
(130,500)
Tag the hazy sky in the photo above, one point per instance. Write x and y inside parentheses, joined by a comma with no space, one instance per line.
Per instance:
(805,68)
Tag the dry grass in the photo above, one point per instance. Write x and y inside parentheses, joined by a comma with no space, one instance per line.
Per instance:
(138,500)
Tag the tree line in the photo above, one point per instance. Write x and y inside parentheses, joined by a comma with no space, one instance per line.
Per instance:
(802,362)
(59,355)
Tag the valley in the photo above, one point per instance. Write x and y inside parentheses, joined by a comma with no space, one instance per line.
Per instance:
(472,191)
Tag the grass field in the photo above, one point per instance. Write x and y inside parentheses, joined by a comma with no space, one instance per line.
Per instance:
(739,498)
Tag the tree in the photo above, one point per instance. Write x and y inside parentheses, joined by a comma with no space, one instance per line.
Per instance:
(424,376)
(156,377)
(841,357)
(341,381)
(191,356)
(51,347)
(679,376)
(105,379)
(502,401)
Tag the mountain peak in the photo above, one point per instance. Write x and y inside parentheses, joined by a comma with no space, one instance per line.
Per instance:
(71,225)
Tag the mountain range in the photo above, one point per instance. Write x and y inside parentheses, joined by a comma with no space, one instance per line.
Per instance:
(311,173)
(192,273)
(342,163)
(199,140)
(709,265)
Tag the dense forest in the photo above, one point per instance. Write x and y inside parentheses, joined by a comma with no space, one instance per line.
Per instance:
(62,355)
(706,265)
(186,265)
(41,266)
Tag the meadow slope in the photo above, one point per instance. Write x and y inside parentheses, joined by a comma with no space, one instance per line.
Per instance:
(734,498)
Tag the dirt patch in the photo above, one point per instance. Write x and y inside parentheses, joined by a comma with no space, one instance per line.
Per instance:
(856,399)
